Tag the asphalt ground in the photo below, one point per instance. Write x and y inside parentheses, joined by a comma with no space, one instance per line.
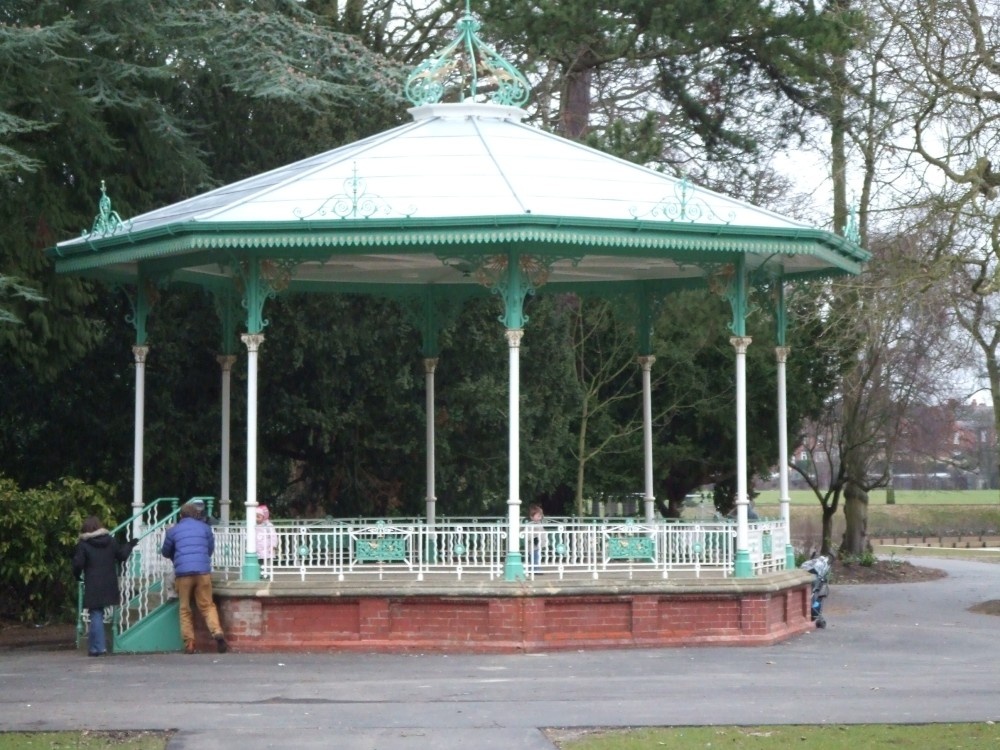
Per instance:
(896,653)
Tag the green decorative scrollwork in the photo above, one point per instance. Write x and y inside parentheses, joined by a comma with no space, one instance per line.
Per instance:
(684,206)
(107,222)
(469,66)
(354,203)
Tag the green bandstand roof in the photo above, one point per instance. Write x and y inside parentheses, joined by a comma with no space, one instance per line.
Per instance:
(430,202)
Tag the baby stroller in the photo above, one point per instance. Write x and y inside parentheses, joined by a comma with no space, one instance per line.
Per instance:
(820,568)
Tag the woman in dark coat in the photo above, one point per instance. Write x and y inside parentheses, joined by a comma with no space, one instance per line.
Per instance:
(96,557)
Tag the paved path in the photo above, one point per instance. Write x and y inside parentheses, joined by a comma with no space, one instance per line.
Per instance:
(892,653)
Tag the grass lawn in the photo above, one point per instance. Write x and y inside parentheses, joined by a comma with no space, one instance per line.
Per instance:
(83,740)
(835,737)
(915,514)
(903,497)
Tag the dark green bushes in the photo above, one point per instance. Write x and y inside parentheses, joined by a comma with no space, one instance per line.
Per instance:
(38,531)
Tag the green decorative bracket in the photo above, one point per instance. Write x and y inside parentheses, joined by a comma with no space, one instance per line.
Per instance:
(642,308)
(769,280)
(259,280)
(431,311)
(461,66)
(730,281)
(511,276)
(145,296)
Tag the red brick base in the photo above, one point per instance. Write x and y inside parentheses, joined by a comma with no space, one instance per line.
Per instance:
(511,617)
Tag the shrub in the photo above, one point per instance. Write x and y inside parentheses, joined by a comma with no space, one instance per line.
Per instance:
(38,530)
(866,560)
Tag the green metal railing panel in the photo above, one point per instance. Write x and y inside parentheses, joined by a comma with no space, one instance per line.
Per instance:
(382,549)
(630,548)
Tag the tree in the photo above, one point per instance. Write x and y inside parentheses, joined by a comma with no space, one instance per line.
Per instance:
(189,100)
(712,74)
(947,75)
(891,339)
(886,371)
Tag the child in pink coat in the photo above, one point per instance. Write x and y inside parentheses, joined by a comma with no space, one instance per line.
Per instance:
(267,540)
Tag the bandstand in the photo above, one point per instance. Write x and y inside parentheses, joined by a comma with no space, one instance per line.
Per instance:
(468,200)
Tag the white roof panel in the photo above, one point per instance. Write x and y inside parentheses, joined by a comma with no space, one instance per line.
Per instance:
(459,161)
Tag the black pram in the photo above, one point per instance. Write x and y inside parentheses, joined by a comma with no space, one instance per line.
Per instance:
(820,568)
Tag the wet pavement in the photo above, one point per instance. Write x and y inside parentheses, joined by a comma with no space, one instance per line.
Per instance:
(898,653)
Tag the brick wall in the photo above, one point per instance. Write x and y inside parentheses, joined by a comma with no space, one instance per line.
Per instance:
(521,621)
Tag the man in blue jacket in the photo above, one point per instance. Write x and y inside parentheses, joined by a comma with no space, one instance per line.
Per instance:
(189,544)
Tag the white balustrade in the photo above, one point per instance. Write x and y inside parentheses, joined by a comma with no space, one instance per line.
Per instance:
(380,549)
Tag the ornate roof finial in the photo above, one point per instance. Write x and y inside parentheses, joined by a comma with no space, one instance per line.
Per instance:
(107,221)
(472,67)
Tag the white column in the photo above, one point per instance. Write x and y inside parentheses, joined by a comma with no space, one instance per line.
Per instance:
(743,566)
(226,362)
(514,431)
(139,427)
(430,364)
(647,433)
(251,566)
(782,352)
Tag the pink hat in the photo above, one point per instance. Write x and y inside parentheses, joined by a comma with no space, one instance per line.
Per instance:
(264,512)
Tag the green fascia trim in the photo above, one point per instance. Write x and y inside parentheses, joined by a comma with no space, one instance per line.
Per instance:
(415,235)
(157,632)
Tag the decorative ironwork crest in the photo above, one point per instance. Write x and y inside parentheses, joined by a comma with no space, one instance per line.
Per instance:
(107,222)
(277,274)
(354,203)
(471,67)
(492,271)
(720,278)
(684,206)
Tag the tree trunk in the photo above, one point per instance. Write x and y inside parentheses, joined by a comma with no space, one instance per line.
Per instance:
(576,98)
(855,540)
(838,149)
(993,372)
(829,511)
(581,460)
